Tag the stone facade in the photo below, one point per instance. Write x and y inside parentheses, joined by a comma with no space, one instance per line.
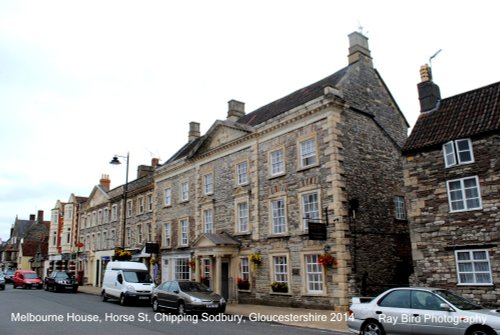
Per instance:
(330,151)
(452,178)
(436,233)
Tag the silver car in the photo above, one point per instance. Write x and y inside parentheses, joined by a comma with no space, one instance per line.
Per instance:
(186,296)
(419,311)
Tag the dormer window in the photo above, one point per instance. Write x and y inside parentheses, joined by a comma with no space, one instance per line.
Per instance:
(458,152)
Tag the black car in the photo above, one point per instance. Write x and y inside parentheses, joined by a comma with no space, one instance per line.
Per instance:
(60,281)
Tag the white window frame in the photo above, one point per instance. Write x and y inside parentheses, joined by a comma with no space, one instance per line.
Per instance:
(280,269)
(306,212)
(167,235)
(452,153)
(277,162)
(208,220)
(278,216)
(242,216)
(462,195)
(308,153)
(315,279)
(114,213)
(129,208)
(242,173)
(470,267)
(208,184)
(184,194)
(182,270)
(244,268)
(141,205)
(139,233)
(184,232)
(400,208)
(167,196)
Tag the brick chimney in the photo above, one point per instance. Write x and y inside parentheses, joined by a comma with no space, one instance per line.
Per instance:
(32,217)
(105,182)
(235,110)
(194,131)
(429,94)
(358,49)
(39,218)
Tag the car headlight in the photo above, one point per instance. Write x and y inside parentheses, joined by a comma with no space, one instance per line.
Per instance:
(130,288)
(196,300)
(222,300)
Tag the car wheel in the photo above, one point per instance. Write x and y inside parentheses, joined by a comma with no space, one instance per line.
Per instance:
(156,306)
(181,308)
(104,296)
(481,331)
(2,287)
(372,328)
(123,300)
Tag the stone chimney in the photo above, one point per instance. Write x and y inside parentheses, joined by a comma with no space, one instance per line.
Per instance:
(105,182)
(429,94)
(235,110)
(144,170)
(155,162)
(194,131)
(39,218)
(358,49)
(32,217)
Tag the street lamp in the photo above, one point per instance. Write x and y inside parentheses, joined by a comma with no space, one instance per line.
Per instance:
(116,161)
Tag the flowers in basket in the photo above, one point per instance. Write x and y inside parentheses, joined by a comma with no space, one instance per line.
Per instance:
(327,260)
(256,258)
(243,284)
(122,255)
(278,286)
(153,261)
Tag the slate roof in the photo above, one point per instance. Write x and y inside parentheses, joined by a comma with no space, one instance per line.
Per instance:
(292,100)
(469,114)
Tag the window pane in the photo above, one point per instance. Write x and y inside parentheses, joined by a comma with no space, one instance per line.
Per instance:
(449,154)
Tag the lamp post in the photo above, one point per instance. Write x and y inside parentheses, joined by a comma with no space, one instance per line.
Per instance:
(116,161)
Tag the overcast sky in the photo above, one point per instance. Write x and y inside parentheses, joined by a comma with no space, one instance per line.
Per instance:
(81,81)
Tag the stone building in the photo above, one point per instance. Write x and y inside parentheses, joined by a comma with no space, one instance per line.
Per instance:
(234,206)
(104,228)
(452,175)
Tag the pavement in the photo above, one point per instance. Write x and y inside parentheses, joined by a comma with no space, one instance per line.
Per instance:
(299,317)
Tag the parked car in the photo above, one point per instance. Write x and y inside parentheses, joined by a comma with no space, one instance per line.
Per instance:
(421,311)
(2,282)
(60,281)
(9,275)
(27,279)
(127,282)
(186,296)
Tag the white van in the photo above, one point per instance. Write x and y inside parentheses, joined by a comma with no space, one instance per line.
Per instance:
(127,281)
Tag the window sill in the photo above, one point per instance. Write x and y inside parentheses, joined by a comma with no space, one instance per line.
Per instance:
(286,235)
(304,168)
(474,285)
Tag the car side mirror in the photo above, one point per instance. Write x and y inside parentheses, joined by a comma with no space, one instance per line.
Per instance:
(176,291)
(445,307)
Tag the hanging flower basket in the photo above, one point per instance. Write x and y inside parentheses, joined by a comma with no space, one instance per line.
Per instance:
(256,259)
(327,260)
(243,284)
(122,255)
(153,261)
(279,287)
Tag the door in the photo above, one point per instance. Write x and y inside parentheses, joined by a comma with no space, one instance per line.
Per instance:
(429,317)
(392,312)
(225,279)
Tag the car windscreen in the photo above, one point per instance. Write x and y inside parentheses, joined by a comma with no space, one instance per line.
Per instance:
(137,277)
(30,276)
(458,301)
(62,275)
(187,286)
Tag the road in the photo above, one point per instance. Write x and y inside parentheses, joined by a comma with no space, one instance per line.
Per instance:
(37,312)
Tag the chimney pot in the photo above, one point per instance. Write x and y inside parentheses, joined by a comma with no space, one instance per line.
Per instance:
(155,162)
(235,110)
(194,131)
(429,94)
(105,182)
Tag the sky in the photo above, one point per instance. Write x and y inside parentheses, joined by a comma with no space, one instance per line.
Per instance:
(81,81)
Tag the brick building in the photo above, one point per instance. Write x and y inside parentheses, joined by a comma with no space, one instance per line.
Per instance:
(452,175)
(234,205)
